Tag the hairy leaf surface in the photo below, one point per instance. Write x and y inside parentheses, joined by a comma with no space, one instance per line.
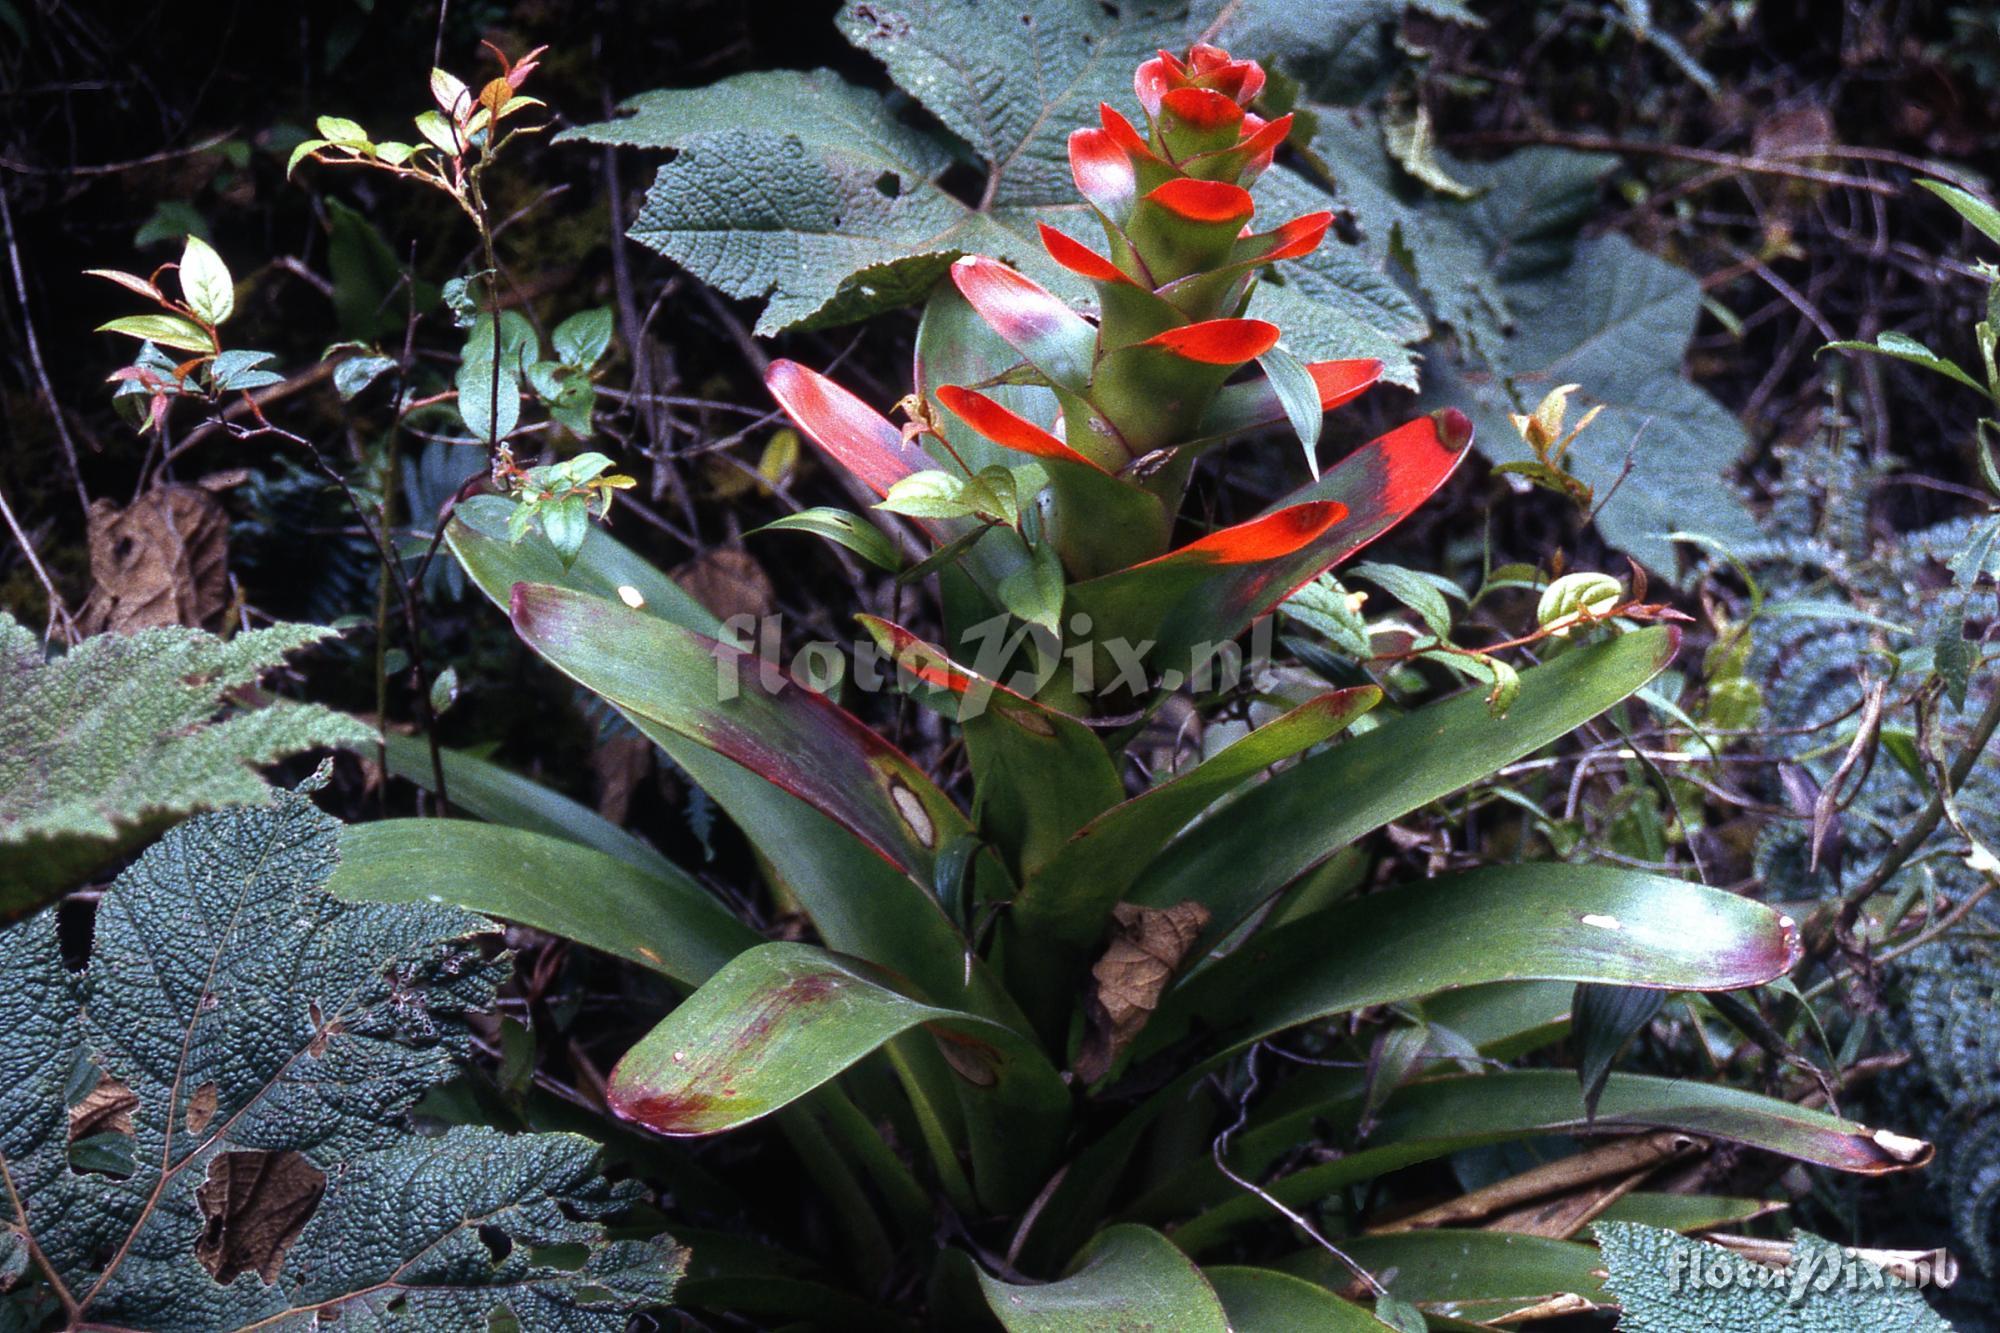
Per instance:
(120,733)
(206,1128)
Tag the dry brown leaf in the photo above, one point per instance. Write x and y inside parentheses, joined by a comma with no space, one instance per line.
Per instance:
(105,1109)
(1622,1156)
(256,1204)
(1146,948)
(729,582)
(164,561)
(620,764)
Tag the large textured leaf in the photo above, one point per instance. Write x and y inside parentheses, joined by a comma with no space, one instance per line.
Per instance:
(1438,1116)
(1661,1282)
(667,923)
(1304,815)
(808,192)
(224,1091)
(1070,896)
(860,902)
(1127,1278)
(1617,321)
(1502,923)
(120,734)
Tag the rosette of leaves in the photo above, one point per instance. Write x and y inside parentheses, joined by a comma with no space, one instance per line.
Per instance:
(101,746)
(207,1126)
(1011,988)
(1019,395)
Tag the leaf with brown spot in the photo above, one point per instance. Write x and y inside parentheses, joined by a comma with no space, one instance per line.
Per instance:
(1147,947)
(256,1204)
(201,1108)
(234,1141)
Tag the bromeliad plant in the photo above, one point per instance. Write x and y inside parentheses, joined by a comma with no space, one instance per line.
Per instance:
(997,1057)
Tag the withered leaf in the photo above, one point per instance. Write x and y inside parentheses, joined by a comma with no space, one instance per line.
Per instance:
(728,581)
(256,1204)
(164,561)
(1146,948)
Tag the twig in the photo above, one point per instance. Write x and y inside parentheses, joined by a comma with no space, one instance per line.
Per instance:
(35,356)
(1219,1150)
(113,168)
(58,610)
(1599,143)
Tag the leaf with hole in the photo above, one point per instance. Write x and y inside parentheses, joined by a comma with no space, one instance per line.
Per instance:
(258,1046)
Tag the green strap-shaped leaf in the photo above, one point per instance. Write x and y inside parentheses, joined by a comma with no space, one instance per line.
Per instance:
(1502,923)
(1128,1277)
(666,923)
(1687,1212)
(1040,773)
(1905,348)
(1434,1117)
(1263,1300)
(782,1019)
(1484,1275)
(1070,896)
(500,796)
(1302,816)
(860,903)
(717,695)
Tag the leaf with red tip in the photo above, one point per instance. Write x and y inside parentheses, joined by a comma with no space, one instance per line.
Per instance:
(1104,174)
(851,433)
(1219,342)
(1040,773)
(1254,404)
(1549,922)
(1189,602)
(1073,893)
(782,1019)
(1205,201)
(1193,121)
(1098,522)
(1205,294)
(1125,134)
(1188,226)
(1151,389)
(1008,428)
(1152,79)
(1247,159)
(1437,1116)
(1079,258)
(1373,488)
(1055,339)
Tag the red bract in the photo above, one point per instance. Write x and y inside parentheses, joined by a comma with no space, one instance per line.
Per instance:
(1130,399)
